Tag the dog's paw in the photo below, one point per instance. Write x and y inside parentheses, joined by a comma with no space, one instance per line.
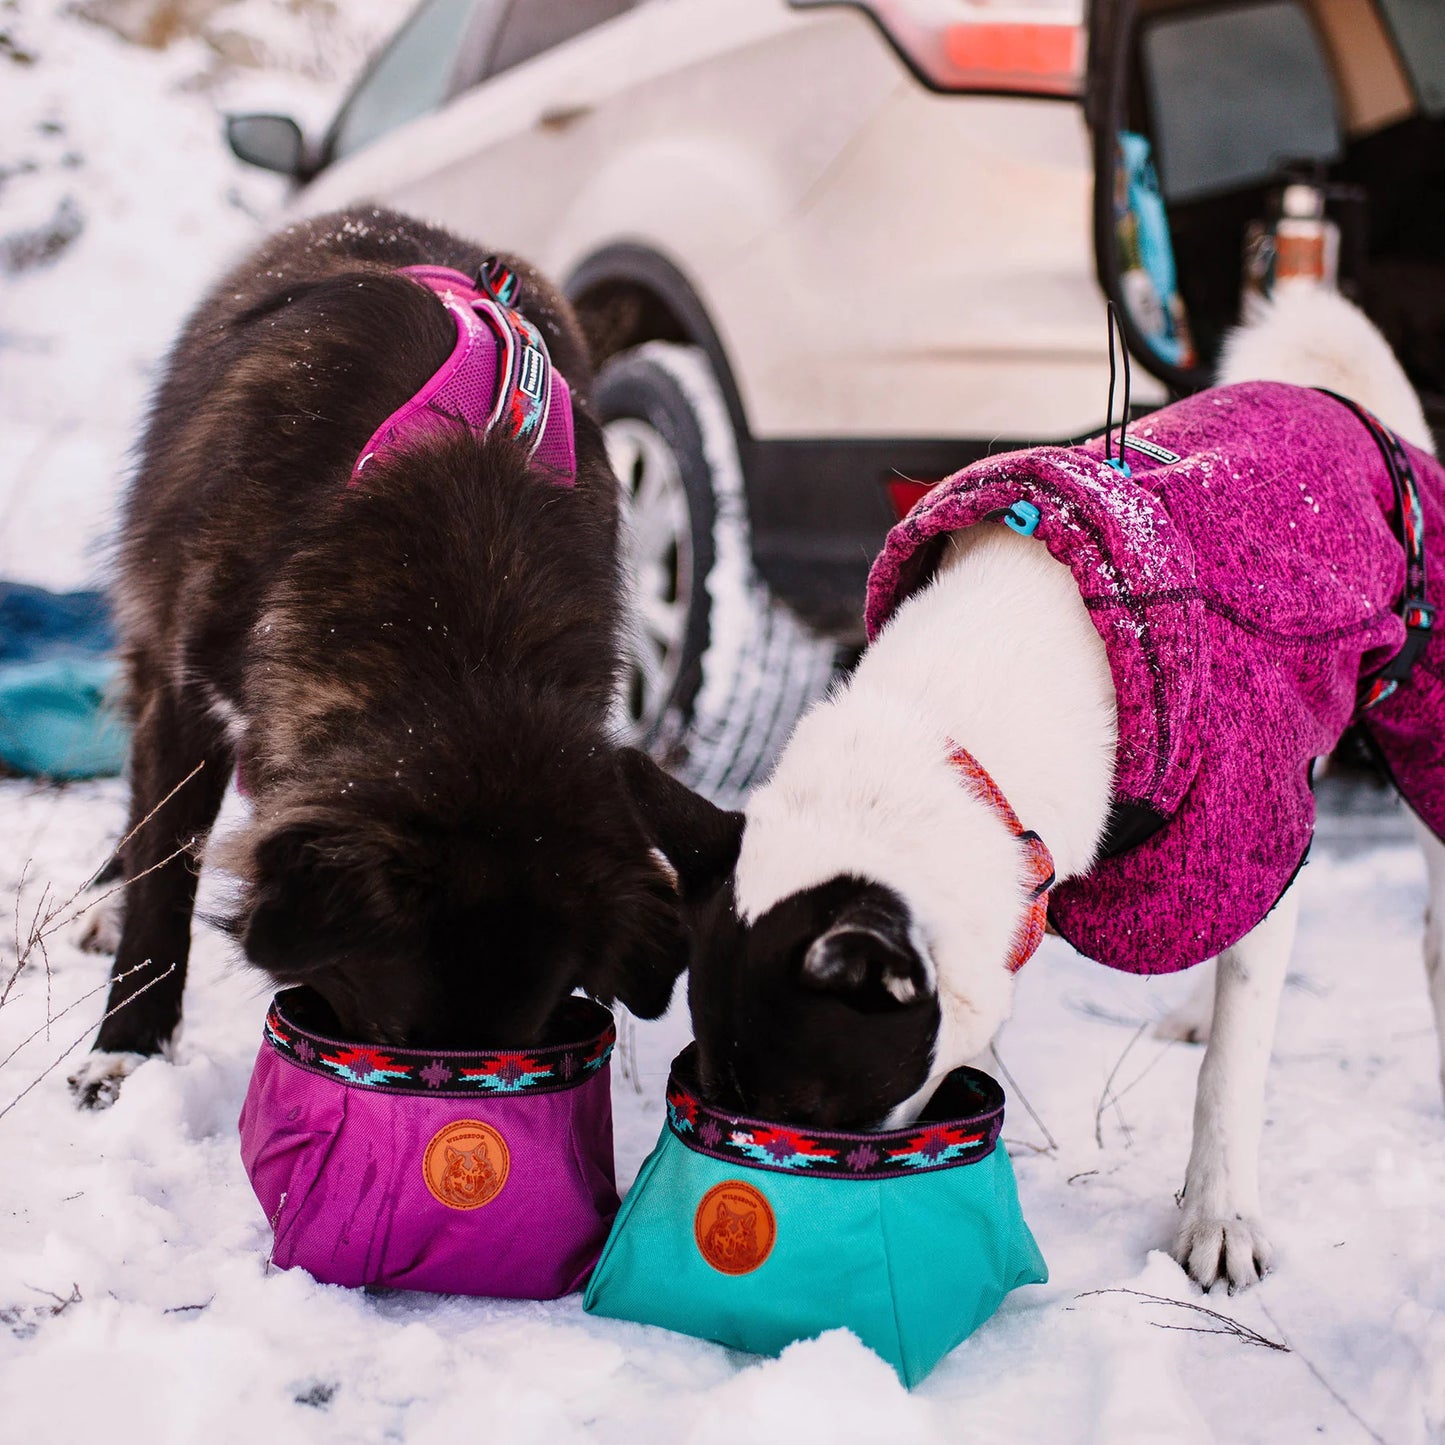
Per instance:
(96,1083)
(99,930)
(1234,1250)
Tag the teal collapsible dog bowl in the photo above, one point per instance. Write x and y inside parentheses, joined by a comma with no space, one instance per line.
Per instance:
(756,1234)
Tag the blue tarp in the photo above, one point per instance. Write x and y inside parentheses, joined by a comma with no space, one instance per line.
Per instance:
(57,679)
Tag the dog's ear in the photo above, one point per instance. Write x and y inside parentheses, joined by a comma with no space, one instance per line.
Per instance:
(699,839)
(872,969)
(314,882)
(651,952)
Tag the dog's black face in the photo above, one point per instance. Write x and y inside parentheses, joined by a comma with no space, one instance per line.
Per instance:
(469,934)
(820,1012)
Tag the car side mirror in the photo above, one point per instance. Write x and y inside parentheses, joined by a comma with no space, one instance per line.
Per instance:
(273,142)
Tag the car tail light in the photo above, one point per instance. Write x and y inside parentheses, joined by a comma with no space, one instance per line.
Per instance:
(962,45)
(905,495)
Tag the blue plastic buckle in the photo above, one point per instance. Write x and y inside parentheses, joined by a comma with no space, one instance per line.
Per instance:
(1023,518)
(1120,466)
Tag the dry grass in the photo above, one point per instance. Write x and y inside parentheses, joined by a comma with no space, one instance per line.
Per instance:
(1221,1324)
(55,912)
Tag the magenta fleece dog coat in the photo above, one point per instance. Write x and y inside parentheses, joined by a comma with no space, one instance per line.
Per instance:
(1245,579)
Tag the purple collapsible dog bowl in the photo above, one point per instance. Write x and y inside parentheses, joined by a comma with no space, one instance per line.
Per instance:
(484,1173)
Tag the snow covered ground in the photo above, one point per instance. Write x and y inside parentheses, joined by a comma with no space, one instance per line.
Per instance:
(143,1218)
(135,1298)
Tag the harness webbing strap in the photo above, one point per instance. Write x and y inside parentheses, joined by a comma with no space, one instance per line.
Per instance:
(1416,613)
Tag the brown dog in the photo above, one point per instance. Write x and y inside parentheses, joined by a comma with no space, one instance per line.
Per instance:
(414,674)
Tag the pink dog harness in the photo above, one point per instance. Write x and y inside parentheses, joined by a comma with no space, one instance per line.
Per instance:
(499,373)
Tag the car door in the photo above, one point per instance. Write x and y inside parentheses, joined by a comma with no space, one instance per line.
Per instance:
(694,126)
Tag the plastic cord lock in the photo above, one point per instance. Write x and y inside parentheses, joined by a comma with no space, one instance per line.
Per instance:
(1023,518)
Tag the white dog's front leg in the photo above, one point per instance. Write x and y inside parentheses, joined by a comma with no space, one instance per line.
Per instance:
(1221,1236)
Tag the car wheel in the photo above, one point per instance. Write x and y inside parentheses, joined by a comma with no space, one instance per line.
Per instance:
(718,670)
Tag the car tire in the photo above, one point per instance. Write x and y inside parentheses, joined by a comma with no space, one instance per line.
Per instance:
(719,670)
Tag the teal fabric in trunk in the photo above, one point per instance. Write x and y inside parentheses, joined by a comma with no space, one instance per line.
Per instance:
(756,1235)
(56,720)
(57,678)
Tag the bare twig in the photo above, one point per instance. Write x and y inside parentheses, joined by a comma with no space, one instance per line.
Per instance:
(49,983)
(1224,1324)
(1012,1144)
(62,1302)
(74,1003)
(115,852)
(1108,1097)
(1145,1071)
(95,902)
(1024,1100)
(280,1205)
(51,915)
(66,1053)
(19,890)
(20,953)
(1123,1123)
(53,919)
(23,1321)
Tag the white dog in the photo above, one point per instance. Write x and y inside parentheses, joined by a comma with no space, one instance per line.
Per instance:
(864,943)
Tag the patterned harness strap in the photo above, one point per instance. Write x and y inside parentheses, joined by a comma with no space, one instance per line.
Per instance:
(1040,861)
(1416,613)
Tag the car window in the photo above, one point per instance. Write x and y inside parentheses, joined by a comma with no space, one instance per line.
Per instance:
(411,76)
(1234,93)
(532,26)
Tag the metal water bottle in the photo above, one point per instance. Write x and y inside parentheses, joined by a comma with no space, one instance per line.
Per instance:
(1306,245)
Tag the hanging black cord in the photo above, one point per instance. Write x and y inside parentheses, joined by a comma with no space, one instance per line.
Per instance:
(1124,413)
(1121,463)
(1109,411)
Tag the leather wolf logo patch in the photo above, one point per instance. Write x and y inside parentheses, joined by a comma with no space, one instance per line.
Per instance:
(466,1164)
(734,1227)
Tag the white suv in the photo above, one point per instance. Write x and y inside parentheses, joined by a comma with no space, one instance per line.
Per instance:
(828,252)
